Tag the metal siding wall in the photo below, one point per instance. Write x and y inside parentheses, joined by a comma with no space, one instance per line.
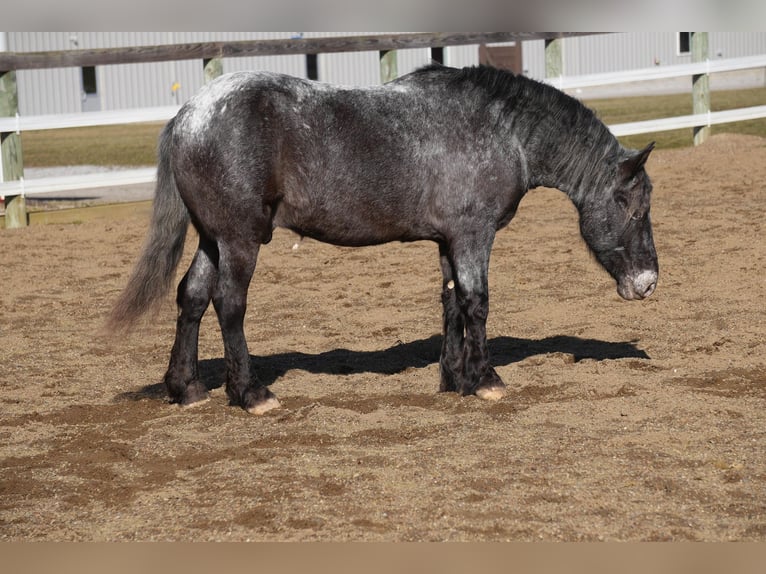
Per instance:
(295,65)
(533,59)
(52,91)
(736,44)
(613,52)
(461,56)
(49,91)
(126,86)
(350,69)
(605,53)
(628,51)
(408,61)
(190,76)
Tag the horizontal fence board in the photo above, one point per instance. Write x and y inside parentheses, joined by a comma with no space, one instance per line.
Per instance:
(245,48)
(690,121)
(87,119)
(657,73)
(76,182)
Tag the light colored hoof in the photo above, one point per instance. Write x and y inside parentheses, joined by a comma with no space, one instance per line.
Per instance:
(265,406)
(195,404)
(491,393)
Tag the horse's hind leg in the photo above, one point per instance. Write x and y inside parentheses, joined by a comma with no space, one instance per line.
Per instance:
(194,294)
(235,269)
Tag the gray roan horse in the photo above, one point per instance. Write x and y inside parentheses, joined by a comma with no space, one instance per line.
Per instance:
(441,154)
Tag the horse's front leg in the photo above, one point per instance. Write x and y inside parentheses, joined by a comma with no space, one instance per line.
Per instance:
(479,377)
(471,265)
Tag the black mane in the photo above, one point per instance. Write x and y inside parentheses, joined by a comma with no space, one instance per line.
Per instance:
(507,87)
(545,118)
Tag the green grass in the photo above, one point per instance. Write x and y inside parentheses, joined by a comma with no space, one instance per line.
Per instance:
(124,145)
(135,145)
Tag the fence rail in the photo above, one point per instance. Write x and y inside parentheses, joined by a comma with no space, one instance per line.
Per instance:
(658,73)
(245,48)
(690,121)
(87,119)
(64,183)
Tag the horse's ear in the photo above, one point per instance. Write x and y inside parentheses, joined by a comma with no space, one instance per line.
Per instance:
(631,165)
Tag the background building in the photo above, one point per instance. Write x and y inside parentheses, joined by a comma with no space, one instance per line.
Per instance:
(68,90)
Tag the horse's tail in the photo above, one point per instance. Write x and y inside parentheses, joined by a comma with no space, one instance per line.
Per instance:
(154,273)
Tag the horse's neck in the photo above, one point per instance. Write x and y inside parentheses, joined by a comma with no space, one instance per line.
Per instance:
(563,161)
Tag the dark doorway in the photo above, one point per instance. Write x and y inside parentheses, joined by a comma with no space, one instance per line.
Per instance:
(91,100)
(312,67)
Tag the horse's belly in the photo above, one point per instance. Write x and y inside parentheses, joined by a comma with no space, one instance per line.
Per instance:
(350,226)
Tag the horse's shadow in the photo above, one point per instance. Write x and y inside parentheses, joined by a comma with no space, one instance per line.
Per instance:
(399,357)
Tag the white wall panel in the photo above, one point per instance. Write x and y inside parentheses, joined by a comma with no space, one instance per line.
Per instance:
(49,91)
(461,56)
(350,69)
(46,91)
(410,60)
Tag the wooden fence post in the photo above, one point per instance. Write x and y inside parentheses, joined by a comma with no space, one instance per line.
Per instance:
(12,167)
(554,60)
(388,67)
(213,67)
(700,85)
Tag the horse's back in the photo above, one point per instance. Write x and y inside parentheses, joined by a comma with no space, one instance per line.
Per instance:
(351,166)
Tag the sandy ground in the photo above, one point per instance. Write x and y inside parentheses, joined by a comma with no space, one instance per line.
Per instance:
(623,420)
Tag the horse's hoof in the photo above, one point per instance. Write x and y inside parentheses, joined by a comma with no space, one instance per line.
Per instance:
(264,406)
(490,393)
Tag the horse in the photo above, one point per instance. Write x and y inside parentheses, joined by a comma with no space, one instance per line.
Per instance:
(441,154)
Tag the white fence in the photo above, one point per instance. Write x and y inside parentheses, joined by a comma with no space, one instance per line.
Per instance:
(143,176)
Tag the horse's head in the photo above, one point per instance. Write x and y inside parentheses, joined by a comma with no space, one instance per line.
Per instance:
(617,227)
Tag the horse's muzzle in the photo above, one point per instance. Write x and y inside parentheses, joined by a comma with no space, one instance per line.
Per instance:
(639,286)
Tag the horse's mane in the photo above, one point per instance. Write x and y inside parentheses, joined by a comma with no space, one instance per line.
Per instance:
(517,94)
(514,91)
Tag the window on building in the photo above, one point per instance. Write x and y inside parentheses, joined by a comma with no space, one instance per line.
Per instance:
(684,42)
(312,67)
(89,85)
(437,55)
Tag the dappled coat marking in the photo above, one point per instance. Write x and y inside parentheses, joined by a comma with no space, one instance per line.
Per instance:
(441,154)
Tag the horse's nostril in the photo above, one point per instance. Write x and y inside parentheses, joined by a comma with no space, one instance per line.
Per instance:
(645,283)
